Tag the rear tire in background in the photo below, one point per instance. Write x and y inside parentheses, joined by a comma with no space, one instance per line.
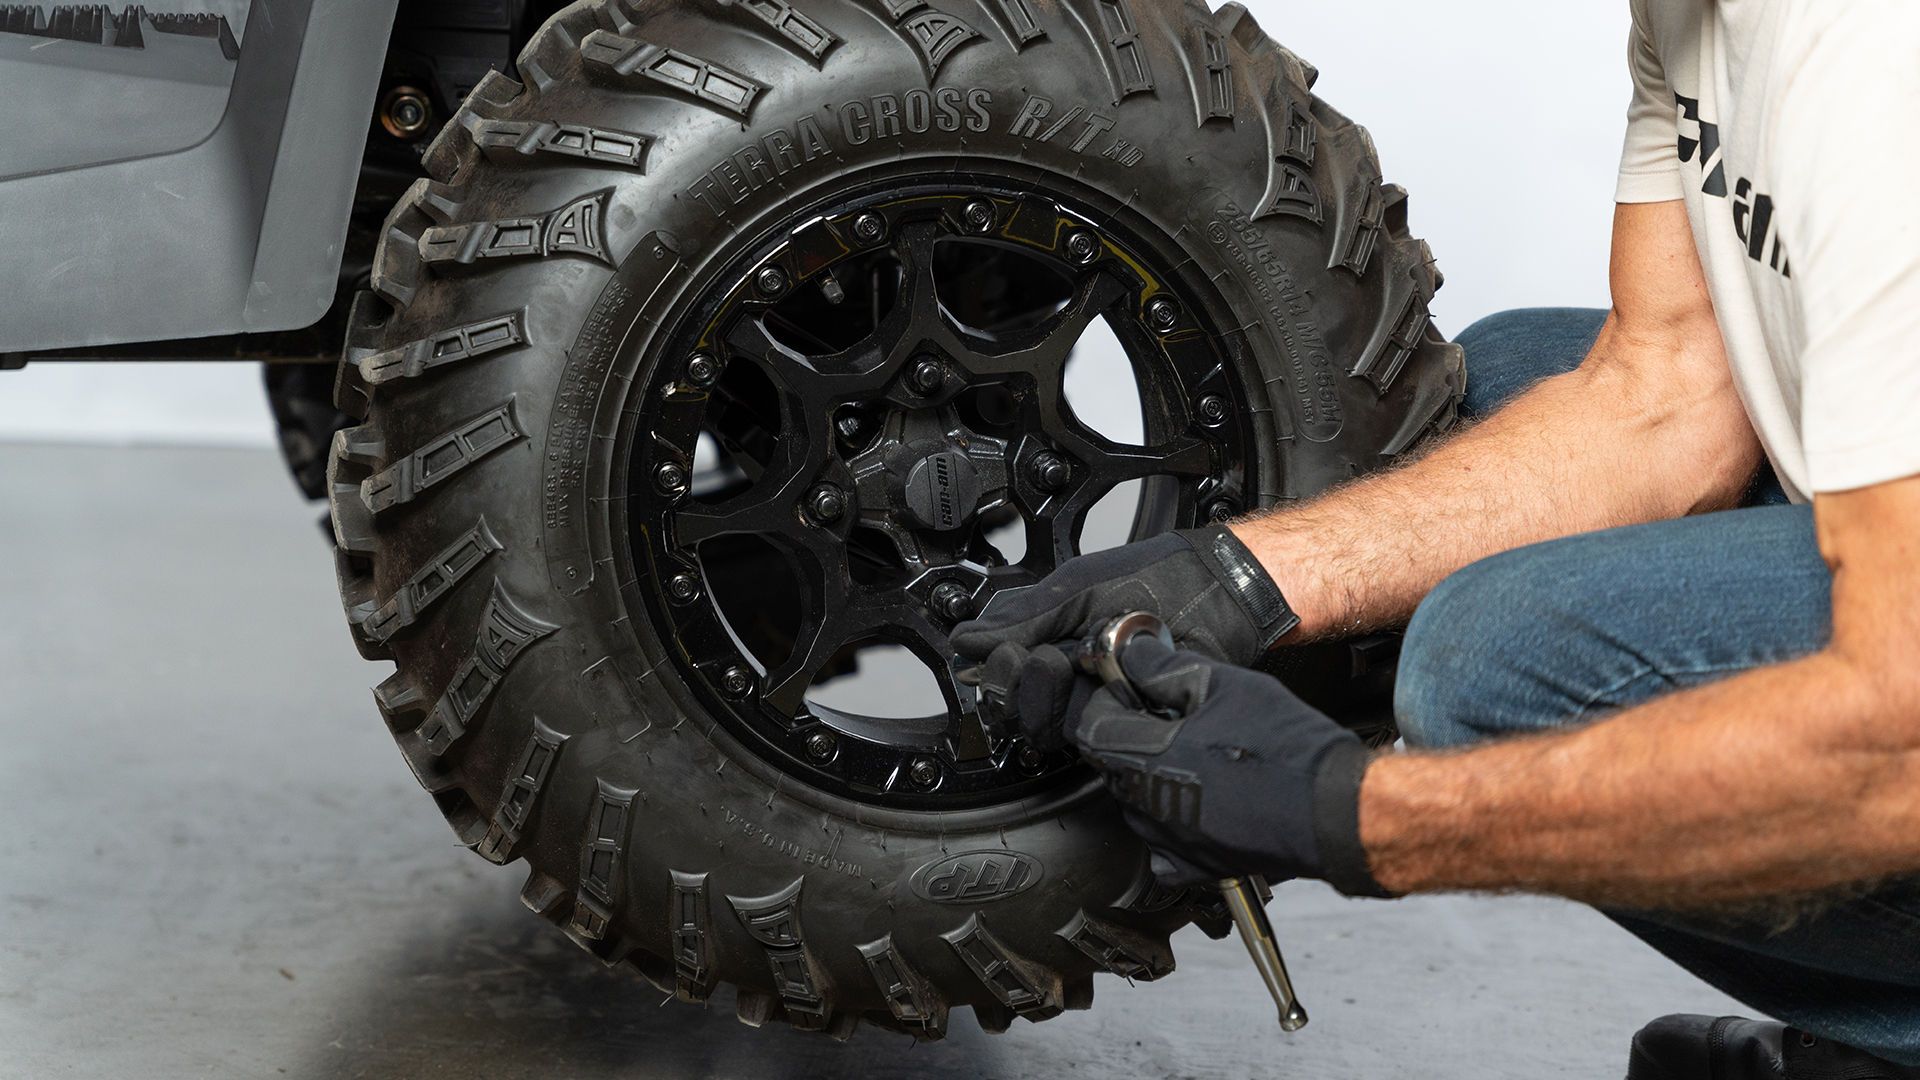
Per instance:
(730,337)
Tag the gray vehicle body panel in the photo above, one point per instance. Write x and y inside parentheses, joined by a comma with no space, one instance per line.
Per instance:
(111,233)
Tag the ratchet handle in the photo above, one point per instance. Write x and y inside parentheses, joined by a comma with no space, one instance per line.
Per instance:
(1256,932)
(1099,656)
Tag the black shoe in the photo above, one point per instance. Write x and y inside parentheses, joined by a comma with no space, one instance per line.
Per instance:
(1683,1047)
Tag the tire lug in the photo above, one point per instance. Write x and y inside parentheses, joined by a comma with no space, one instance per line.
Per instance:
(821,747)
(702,371)
(1050,471)
(952,601)
(924,772)
(1163,314)
(683,588)
(736,681)
(1213,409)
(1220,510)
(1082,247)
(869,227)
(771,281)
(826,504)
(928,376)
(670,479)
(979,215)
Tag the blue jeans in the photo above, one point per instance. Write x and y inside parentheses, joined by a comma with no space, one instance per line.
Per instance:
(1570,630)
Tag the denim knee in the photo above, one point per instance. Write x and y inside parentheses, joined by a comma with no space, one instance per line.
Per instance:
(1509,351)
(1471,668)
(1431,691)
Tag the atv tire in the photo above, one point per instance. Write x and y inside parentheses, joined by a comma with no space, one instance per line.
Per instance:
(549,318)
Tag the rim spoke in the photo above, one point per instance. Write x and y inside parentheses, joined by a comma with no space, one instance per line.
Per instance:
(1050,539)
(792,371)
(774,511)
(917,315)
(1114,463)
(1042,351)
(843,615)
(812,379)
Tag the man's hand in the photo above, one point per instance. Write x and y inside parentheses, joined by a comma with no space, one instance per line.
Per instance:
(1202,583)
(1247,780)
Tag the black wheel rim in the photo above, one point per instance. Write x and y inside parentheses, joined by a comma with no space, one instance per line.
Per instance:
(884,386)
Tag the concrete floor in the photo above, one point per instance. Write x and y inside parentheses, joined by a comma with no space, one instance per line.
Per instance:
(216,865)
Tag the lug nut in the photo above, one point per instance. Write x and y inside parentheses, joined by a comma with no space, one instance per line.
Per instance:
(1082,247)
(826,503)
(1212,409)
(1163,314)
(850,426)
(869,227)
(406,113)
(979,215)
(1029,759)
(924,772)
(820,746)
(735,681)
(771,281)
(952,600)
(1220,510)
(671,479)
(702,371)
(683,588)
(1050,471)
(928,376)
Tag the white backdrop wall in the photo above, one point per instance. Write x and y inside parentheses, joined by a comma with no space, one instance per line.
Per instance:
(1502,117)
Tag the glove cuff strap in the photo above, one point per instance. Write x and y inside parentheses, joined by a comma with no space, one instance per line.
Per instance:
(1252,588)
(1336,819)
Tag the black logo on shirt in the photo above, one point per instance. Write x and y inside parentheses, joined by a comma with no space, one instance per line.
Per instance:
(1752,211)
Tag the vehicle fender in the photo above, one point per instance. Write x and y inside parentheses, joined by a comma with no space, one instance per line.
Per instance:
(110,235)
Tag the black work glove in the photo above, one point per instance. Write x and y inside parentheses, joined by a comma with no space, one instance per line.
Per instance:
(1203,583)
(1249,779)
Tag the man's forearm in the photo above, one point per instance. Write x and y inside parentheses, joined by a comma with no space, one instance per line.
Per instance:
(1602,446)
(1784,779)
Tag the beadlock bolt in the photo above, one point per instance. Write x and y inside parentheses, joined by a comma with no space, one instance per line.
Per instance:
(928,376)
(820,746)
(670,478)
(826,503)
(736,681)
(1050,471)
(1163,314)
(952,600)
(1082,247)
(702,371)
(1220,510)
(924,772)
(979,215)
(683,588)
(771,281)
(1212,408)
(869,227)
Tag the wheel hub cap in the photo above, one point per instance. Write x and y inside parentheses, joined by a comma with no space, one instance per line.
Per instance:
(941,491)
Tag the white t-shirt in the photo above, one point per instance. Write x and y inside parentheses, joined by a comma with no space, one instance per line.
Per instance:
(1792,130)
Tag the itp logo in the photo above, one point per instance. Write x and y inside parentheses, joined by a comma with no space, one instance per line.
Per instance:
(976,877)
